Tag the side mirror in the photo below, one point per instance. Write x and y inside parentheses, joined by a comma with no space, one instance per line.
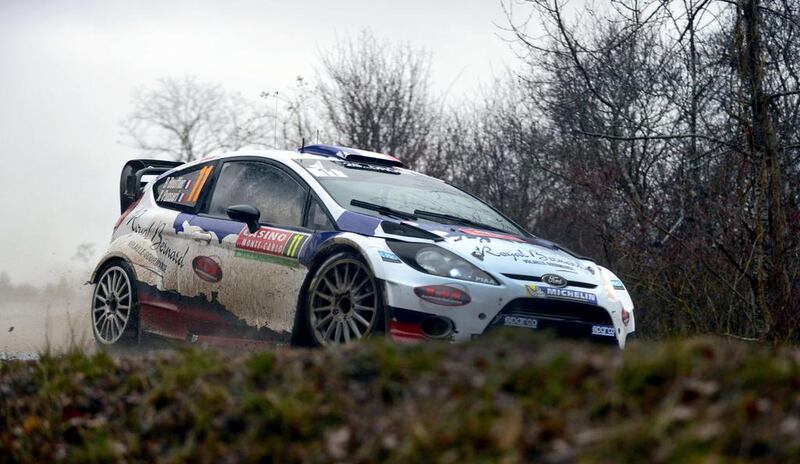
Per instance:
(247,214)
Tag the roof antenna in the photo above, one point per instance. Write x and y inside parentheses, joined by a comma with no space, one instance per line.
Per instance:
(302,145)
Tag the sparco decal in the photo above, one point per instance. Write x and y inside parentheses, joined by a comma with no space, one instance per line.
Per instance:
(207,269)
(603,331)
(516,321)
(282,244)
(154,232)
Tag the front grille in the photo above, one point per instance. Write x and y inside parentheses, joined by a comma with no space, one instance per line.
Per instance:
(527,278)
(558,309)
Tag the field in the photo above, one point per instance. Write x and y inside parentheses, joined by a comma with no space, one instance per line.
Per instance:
(507,398)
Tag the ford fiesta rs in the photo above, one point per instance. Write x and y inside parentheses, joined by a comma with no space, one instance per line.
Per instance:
(328,245)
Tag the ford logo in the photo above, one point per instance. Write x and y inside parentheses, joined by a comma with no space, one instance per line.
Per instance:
(554,280)
(207,269)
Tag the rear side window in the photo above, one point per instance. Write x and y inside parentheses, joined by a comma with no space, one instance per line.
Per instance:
(279,198)
(183,189)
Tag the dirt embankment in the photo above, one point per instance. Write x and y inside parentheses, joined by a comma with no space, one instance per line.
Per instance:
(501,399)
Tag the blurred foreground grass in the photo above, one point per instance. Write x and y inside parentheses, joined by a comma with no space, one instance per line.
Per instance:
(506,398)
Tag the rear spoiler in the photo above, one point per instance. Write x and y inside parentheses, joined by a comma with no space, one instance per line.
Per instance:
(130,182)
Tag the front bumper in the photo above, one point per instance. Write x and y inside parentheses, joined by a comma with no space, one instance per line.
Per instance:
(509,305)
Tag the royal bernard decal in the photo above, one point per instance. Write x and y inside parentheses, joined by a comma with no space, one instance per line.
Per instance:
(156,233)
(528,256)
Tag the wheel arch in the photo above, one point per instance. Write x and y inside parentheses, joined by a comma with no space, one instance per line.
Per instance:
(335,245)
(106,261)
(330,249)
(325,251)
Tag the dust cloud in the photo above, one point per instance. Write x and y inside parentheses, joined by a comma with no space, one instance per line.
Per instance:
(53,318)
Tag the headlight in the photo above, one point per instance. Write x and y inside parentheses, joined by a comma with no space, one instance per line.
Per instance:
(437,261)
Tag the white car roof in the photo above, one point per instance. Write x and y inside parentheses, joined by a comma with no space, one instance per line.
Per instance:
(278,155)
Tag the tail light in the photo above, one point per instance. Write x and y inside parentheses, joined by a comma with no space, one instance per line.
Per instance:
(443,295)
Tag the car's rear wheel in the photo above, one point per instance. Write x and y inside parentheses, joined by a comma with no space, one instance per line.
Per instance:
(343,302)
(114,306)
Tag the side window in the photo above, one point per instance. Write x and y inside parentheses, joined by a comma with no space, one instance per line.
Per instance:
(278,197)
(183,188)
(317,219)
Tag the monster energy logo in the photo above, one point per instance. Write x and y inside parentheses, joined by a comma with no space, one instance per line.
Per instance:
(293,246)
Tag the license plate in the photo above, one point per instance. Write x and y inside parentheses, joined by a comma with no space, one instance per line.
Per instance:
(516,321)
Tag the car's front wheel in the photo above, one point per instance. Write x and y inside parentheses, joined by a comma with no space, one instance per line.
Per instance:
(343,302)
(114,307)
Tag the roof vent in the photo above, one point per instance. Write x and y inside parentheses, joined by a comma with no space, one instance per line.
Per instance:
(352,154)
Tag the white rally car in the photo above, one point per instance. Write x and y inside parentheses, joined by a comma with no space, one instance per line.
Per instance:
(328,245)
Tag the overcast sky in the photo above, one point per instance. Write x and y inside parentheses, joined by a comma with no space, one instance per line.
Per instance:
(68,70)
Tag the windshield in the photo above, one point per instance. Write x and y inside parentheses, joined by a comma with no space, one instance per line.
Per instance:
(401,190)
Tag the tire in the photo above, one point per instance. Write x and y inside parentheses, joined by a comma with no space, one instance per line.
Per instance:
(342,302)
(114,311)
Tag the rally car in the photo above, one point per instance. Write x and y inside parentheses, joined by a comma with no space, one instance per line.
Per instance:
(328,245)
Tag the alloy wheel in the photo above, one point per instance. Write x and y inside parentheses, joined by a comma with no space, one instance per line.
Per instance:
(343,303)
(111,305)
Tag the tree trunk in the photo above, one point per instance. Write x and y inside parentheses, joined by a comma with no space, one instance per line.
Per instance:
(774,287)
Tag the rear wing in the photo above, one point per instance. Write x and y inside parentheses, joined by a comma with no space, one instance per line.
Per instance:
(130,182)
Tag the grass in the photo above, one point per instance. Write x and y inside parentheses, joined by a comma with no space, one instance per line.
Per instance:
(506,398)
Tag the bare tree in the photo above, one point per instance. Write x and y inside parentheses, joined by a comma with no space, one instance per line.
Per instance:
(774,287)
(375,95)
(494,148)
(674,126)
(299,115)
(186,119)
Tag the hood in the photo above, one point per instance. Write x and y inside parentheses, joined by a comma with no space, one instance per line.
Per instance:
(491,251)
(497,252)
(521,256)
